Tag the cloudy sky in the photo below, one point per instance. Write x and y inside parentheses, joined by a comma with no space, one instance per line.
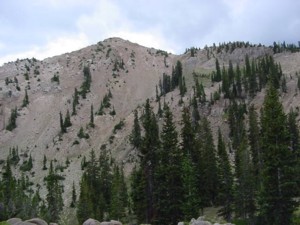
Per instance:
(43,28)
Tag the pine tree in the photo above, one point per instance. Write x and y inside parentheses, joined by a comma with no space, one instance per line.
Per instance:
(75,102)
(218,76)
(67,122)
(26,99)
(245,184)
(54,195)
(84,205)
(169,189)
(278,178)
(148,152)
(207,170)
(92,124)
(62,126)
(119,195)
(254,143)
(44,163)
(225,195)
(191,201)
(74,196)
(135,137)
(137,194)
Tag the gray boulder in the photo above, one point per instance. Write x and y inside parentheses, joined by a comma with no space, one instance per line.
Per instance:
(37,221)
(24,223)
(112,222)
(91,222)
(14,221)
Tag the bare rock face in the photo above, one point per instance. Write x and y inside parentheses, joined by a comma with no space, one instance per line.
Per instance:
(91,222)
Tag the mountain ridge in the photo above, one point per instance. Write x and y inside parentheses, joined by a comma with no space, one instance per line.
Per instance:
(131,72)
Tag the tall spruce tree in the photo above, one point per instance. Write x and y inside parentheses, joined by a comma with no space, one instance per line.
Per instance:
(208,181)
(245,184)
(191,201)
(169,189)
(254,143)
(135,136)
(278,178)
(54,195)
(225,195)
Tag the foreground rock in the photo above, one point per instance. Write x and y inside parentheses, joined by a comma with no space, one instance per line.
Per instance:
(201,221)
(18,221)
(96,222)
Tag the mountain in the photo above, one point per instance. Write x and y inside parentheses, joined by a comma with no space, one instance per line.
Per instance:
(129,72)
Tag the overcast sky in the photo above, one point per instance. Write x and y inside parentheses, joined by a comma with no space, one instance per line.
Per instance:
(44,28)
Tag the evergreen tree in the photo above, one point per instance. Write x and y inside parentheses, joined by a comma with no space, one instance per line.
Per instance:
(54,195)
(245,184)
(84,205)
(208,182)
(191,201)
(74,196)
(225,195)
(12,123)
(218,76)
(75,101)
(67,122)
(44,163)
(278,178)
(92,124)
(26,99)
(135,137)
(148,152)
(169,189)
(119,197)
(137,194)
(62,126)
(238,81)
(254,143)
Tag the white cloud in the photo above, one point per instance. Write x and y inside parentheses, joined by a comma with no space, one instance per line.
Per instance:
(108,20)
(53,47)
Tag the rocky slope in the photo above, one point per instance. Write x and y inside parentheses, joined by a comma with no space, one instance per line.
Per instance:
(130,72)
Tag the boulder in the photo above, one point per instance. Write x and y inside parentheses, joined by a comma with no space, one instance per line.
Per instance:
(91,222)
(13,221)
(24,223)
(37,221)
(180,223)
(112,222)
(115,222)
(199,221)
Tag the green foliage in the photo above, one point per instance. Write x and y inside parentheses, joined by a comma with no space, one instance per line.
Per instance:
(86,85)
(62,126)
(119,126)
(45,163)
(26,76)
(55,78)
(92,124)
(67,122)
(168,174)
(27,165)
(279,186)
(75,101)
(82,134)
(135,136)
(225,194)
(12,123)
(103,192)
(26,99)
(54,195)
